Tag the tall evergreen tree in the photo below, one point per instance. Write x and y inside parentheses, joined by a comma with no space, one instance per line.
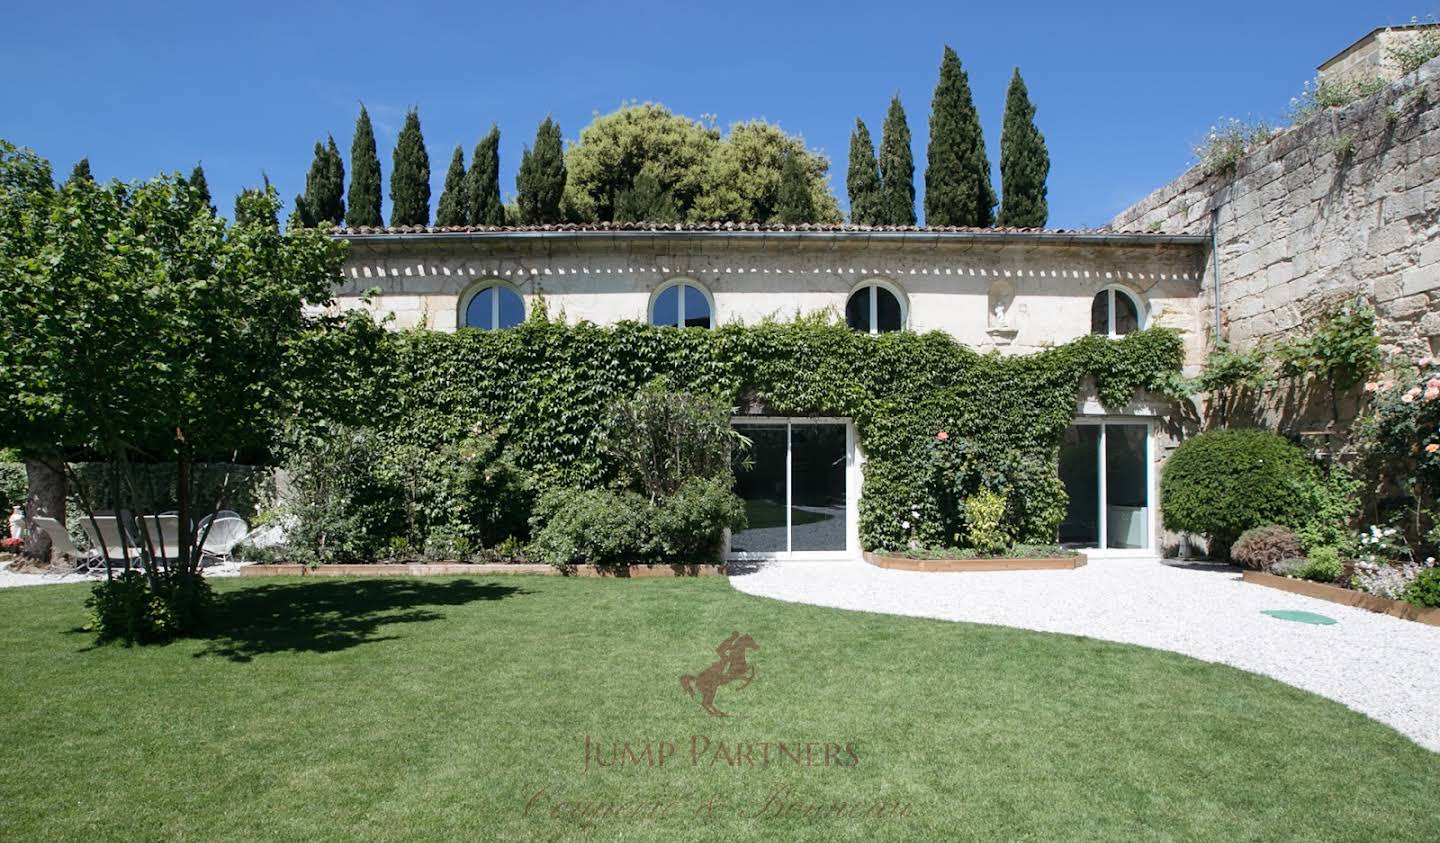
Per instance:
(81,172)
(863,179)
(201,187)
(795,204)
(323,202)
(646,200)
(482,182)
(540,184)
(1024,162)
(364,175)
(896,202)
(410,175)
(336,180)
(957,170)
(452,210)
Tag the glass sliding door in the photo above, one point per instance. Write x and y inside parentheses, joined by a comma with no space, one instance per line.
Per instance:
(1106,471)
(796,489)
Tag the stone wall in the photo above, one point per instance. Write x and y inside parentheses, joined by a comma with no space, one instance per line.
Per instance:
(1344,205)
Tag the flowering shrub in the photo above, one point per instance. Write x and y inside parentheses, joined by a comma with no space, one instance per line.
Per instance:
(1399,438)
(1389,581)
(1383,545)
(1227,142)
(1261,547)
(10,545)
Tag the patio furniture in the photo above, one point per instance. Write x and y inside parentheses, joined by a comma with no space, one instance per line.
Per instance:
(164,535)
(220,533)
(108,540)
(60,543)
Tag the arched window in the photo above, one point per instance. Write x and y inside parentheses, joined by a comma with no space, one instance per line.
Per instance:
(1115,313)
(491,307)
(682,304)
(875,308)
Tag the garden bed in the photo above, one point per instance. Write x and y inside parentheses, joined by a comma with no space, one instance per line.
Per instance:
(429,569)
(976,563)
(1346,597)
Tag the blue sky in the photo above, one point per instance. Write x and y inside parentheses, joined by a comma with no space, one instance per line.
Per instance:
(1123,90)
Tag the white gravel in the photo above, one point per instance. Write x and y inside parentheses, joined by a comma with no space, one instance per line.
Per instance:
(13,579)
(1383,667)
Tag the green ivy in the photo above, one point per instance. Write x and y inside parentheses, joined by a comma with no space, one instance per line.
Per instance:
(547,386)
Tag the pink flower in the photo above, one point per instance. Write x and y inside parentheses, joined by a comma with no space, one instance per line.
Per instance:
(1407,398)
(942,436)
(1371,386)
(1433,383)
(1432,393)
(1432,448)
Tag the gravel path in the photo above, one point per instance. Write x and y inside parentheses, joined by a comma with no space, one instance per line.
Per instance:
(11,579)
(1383,667)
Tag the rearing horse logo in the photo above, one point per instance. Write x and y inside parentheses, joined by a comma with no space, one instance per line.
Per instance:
(730,667)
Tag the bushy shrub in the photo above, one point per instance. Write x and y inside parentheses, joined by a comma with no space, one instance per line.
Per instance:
(14,485)
(338,509)
(1332,504)
(1322,565)
(660,440)
(957,468)
(1287,567)
(1424,590)
(689,525)
(141,608)
(985,514)
(1224,482)
(1261,547)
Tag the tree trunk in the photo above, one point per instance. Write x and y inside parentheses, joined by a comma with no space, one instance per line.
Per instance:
(46,497)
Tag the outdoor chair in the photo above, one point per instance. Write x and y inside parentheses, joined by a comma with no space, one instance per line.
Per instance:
(109,538)
(225,530)
(60,543)
(164,535)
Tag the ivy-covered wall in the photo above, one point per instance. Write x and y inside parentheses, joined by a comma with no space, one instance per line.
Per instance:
(545,385)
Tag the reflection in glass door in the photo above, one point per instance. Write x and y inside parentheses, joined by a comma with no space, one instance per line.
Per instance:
(795,489)
(1106,472)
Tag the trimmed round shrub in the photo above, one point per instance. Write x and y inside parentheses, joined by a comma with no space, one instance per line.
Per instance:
(1264,546)
(1424,590)
(1224,482)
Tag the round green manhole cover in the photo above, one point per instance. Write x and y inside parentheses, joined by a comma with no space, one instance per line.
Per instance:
(1298,617)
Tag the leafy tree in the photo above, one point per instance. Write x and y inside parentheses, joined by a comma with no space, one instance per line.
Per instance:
(957,170)
(482,183)
(452,210)
(410,175)
(795,204)
(742,179)
(81,171)
(246,206)
(323,200)
(364,175)
(1024,162)
(540,184)
(896,205)
(863,179)
(200,188)
(646,201)
(141,329)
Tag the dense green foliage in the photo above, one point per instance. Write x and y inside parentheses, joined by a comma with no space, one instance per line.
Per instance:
(540,183)
(482,182)
(201,188)
(323,202)
(410,175)
(364,175)
(862,180)
(1341,352)
(1261,547)
(1024,162)
(896,203)
(548,385)
(645,200)
(794,205)
(1224,482)
(1398,438)
(957,170)
(1424,590)
(708,178)
(81,171)
(453,209)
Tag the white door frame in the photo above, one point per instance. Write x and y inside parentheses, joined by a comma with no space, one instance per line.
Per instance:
(852,493)
(1151,491)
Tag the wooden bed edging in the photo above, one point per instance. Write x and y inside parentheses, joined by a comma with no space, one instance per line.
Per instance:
(901,563)
(1345,596)
(441,569)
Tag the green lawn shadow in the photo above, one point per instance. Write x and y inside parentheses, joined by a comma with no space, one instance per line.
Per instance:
(325,616)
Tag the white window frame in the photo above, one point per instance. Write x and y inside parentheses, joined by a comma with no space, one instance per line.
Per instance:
(853,461)
(480,287)
(1152,490)
(683,281)
(1142,316)
(874,284)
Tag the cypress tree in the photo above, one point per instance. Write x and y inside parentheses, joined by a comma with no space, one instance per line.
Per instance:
(364,175)
(201,187)
(795,204)
(1024,162)
(309,205)
(957,171)
(541,180)
(863,179)
(410,175)
(81,172)
(646,201)
(451,210)
(324,200)
(896,202)
(482,183)
(336,182)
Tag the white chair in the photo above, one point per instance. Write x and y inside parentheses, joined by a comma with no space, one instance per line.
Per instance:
(220,533)
(108,540)
(60,542)
(164,535)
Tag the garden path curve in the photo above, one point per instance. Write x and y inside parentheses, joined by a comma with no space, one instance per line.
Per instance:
(1380,666)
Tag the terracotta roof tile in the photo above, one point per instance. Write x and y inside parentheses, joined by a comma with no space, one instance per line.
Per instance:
(713,227)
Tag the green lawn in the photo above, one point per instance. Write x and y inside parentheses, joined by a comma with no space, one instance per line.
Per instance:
(325,709)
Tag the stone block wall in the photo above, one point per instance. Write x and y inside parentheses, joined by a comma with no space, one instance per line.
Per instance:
(1346,204)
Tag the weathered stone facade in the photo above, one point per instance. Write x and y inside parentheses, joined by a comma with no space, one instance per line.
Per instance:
(1369,58)
(1345,204)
